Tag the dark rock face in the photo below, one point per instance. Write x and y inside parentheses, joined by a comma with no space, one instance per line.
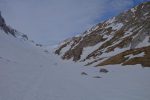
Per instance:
(103,70)
(124,32)
(5,27)
(97,77)
(84,73)
(86,41)
(40,45)
(124,57)
(25,36)
(9,30)
(2,21)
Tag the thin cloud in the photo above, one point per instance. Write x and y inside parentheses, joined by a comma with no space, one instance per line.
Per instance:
(54,20)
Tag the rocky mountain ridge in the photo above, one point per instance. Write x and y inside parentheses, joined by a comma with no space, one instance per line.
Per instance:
(124,39)
(8,30)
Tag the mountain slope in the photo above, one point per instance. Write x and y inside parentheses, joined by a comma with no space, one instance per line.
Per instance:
(28,73)
(120,36)
(8,30)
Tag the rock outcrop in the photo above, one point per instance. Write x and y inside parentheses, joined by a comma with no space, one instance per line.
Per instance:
(105,43)
(8,30)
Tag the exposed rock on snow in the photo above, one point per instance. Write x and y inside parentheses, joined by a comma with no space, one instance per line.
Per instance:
(84,73)
(126,32)
(8,30)
(28,73)
(103,70)
(97,77)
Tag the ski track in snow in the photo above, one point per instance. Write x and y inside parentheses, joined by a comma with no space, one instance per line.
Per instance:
(27,73)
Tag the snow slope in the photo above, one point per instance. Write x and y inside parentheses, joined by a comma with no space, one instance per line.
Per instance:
(28,73)
(128,32)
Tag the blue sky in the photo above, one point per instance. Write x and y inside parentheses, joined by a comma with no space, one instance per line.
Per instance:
(51,21)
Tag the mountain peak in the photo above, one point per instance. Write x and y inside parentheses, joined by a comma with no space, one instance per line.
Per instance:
(119,36)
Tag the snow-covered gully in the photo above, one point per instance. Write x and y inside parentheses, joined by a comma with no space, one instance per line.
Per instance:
(28,73)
